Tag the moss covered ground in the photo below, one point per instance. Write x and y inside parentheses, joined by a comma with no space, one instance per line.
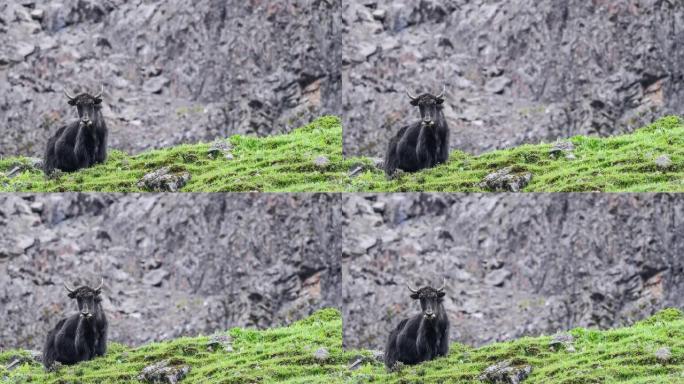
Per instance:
(286,355)
(287,163)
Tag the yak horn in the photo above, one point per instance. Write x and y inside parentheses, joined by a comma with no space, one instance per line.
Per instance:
(440,289)
(100,93)
(70,290)
(101,284)
(443,92)
(68,95)
(410,95)
(413,290)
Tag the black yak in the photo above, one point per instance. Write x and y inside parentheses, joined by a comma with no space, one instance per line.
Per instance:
(423,144)
(421,337)
(81,336)
(81,143)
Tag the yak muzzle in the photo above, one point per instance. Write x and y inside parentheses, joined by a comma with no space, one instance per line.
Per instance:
(429,315)
(428,123)
(86,122)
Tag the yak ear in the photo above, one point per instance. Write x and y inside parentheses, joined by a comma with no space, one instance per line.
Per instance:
(72,102)
(98,100)
(72,295)
(415,296)
(440,294)
(440,100)
(414,102)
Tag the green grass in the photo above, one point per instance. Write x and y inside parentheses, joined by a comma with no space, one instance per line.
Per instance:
(285,163)
(623,163)
(624,355)
(279,355)
(285,355)
(279,163)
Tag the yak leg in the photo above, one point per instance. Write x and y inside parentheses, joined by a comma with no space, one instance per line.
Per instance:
(391,157)
(83,158)
(101,344)
(101,154)
(443,348)
(425,158)
(443,151)
(81,340)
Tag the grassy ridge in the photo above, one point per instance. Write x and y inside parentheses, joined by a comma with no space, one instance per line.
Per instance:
(279,355)
(286,355)
(285,163)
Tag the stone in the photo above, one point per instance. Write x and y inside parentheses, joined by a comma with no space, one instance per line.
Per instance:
(379,14)
(505,373)
(663,162)
(156,84)
(220,147)
(506,179)
(155,277)
(164,372)
(37,14)
(562,147)
(498,277)
(321,162)
(25,49)
(223,341)
(321,354)
(164,180)
(497,85)
(563,340)
(663,355)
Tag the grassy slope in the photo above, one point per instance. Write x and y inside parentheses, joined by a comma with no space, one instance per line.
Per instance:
(285,163)
(275,163)
(284,355)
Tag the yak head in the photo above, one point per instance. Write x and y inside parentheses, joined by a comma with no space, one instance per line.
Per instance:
(430,301)
(88,299)
(87,105)
(429,105)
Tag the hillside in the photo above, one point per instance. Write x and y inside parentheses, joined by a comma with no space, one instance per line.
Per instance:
(279,163)
(650,159)
(651,351)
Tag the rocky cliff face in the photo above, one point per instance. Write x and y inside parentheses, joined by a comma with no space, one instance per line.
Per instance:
(516,71)
(514,265)
(173,71)
(173,264)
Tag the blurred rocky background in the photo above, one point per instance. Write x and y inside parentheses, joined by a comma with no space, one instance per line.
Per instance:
(173,264)
(516,71)
(514,265)
(174,71)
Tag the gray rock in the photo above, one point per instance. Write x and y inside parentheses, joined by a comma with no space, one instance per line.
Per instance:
(220,147)
(505,373)
(497,277)
(37,14)
(561,147)
(379,14)
(506,179)
(497,85)
(321,162)
(663,355)
(164,180)
(156,84)
(663,162)
(563,340)
(223,341)
(155,277)
(164,372)
(25,49)
(321,354)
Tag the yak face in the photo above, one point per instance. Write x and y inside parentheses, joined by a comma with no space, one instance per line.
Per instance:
(430,301)
(87,106)
(429,106)
(88,300)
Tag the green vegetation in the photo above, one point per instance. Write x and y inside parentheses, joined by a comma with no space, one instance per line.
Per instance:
(286,355)
(279,355)
(279,163)
(286,163)
(625,355)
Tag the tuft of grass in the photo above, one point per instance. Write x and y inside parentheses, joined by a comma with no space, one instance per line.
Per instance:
(286,355)
(279,163)
(278,355)
(285,163)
